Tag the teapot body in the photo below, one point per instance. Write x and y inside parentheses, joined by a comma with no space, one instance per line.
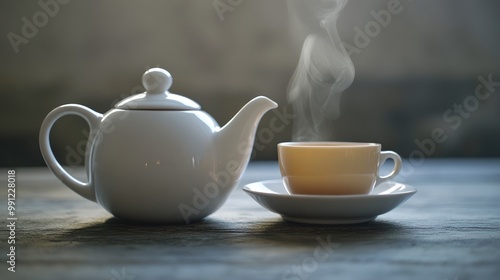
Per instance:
(147,166)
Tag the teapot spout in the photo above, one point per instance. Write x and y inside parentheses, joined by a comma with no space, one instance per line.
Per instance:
(234,141)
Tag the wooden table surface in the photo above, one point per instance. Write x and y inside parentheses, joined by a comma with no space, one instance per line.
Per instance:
(449,230)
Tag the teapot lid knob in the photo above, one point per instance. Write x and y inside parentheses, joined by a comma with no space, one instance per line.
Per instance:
(157,80)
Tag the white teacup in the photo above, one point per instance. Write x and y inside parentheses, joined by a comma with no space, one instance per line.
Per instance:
(333,168)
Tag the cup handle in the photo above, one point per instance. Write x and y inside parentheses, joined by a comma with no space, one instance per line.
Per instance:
(85,189)
(385,155)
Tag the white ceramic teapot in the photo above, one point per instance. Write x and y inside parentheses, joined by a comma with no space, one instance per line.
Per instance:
(156,157)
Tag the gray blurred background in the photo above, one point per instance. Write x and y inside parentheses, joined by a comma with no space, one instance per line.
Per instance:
(410,73)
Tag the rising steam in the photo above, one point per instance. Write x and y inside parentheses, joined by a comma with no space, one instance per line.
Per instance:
(324,70)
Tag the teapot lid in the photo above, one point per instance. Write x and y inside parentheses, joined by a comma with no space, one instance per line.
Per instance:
(157,82)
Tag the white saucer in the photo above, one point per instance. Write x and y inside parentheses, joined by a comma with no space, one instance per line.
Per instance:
(329,209)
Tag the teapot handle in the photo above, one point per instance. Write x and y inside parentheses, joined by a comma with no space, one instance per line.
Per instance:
(85,189)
